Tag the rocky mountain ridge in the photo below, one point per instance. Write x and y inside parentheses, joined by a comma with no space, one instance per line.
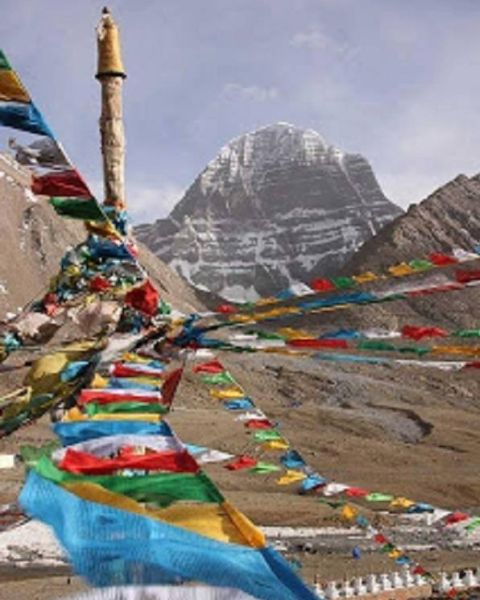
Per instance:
(276,206)
(448,218)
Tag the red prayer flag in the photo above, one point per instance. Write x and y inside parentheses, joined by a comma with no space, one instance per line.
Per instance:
(442,260)
(50,303)
(259,424)
(447,287)
(418,333)
(122,370)
(323,343)
(456,517)
(89,464)
(467,276)
(99,284)
(380,538)
(226,309)
(355,492)
(144,298)
(109,396)
(322,285)
(66,184)
(474,364)
(242,462)
(170,386)
(212,367)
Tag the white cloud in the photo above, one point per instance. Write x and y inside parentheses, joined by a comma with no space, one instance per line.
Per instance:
(311,39)
(252,93)
(315,39)
(145,204)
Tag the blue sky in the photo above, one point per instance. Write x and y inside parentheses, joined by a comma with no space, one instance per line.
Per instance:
(396,80)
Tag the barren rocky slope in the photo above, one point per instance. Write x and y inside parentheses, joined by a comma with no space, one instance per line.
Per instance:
(448,218)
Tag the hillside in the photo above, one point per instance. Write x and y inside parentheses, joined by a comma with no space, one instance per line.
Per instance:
(34,238)
(448,218)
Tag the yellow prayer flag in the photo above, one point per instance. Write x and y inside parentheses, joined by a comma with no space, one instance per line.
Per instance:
(460,350)
(75,414)
(219,522)
(295,334)
(98,381)
(348,512)
(152,418)
(133,357)
(400,270)
(401,502)
(105,229)
(276,445)
(238,318)
(11,88)
(365,277)
(265,301)
(291,476)
(73,271)
(230,393)
(15,402)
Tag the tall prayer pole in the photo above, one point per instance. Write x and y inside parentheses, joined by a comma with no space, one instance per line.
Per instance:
(111,74)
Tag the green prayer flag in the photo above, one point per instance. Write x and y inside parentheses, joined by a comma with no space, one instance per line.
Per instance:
(93,408)
(467,333)
(267,435)
(343,282)
(86,209)
(164,308)
(263,467)
(4,64)
(267,335)
(420,264)
(376,345)
(223,378)
(31,454)
(418,350)
(161,489)
(378,497)
(474,524)
(393,296)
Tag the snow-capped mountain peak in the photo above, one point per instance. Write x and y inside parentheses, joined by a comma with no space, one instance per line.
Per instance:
(275,206)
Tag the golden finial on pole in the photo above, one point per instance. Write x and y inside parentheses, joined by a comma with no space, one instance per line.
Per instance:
(109,53)
(111,74)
